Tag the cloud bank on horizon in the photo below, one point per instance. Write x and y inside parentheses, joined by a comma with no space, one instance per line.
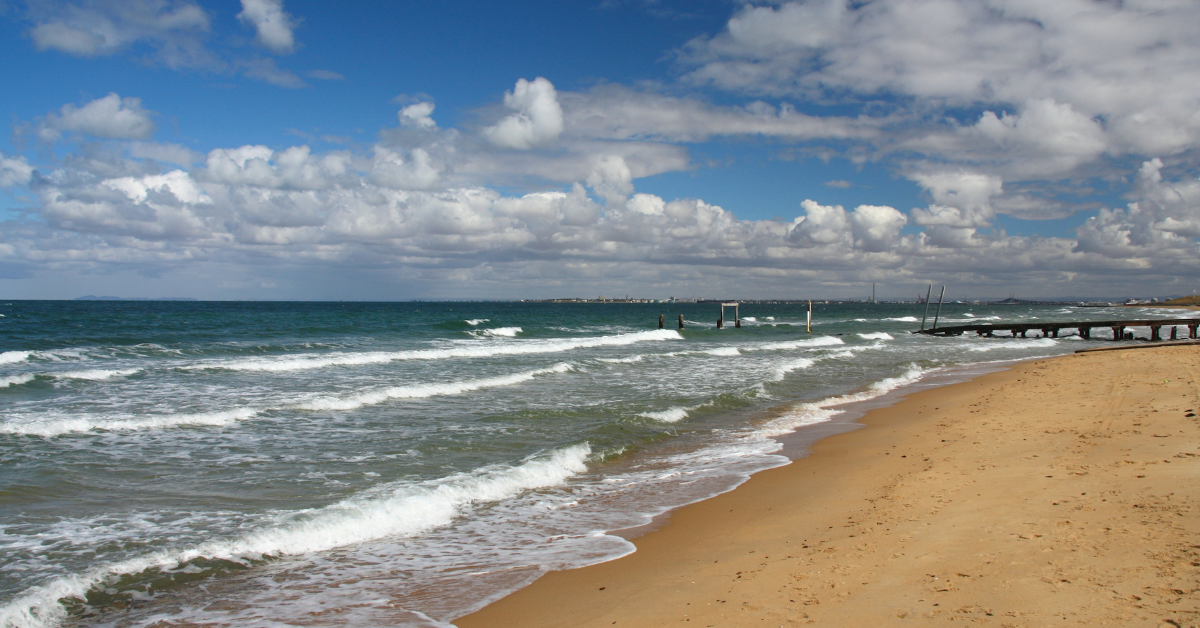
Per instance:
(999,112)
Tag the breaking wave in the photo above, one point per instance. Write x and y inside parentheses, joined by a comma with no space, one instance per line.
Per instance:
(12,357)
(391,510)
(525,347)
(419,391)
(58,426)
(823,410)
(670,415)
(15,380)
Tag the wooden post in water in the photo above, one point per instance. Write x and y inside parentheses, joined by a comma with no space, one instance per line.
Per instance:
(660,321)
(809,325)
(928,293)
(939,310)
(681,321)
(721,322)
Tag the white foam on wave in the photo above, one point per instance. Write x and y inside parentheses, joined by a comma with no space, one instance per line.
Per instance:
(825,409)
(750,319)
(96,374)
(15,380)
(482,350)
(670,415)
(782,370)
(1006,344)
(475,321)
(49,427)
(503,332)
(391,510)
(420,391)
(903,319)
(626,360)
(12,357)
(57,426)
(724,351)
(877,335)
(820,341)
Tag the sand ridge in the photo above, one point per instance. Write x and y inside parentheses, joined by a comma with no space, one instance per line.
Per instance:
(1059,492)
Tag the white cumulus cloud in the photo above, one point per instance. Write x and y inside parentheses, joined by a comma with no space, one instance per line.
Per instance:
(418,115)
(960,199)
(110,117)
(261,167)
(14,171)
(272,25)
(174,29)
(538,119)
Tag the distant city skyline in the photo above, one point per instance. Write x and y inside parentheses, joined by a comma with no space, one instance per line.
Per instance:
(279,149)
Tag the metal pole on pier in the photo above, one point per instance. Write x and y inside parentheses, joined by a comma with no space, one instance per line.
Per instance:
(939,310)
(926,314)
(809,325)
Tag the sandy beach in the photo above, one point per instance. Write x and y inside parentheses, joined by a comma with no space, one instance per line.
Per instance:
(1057,492)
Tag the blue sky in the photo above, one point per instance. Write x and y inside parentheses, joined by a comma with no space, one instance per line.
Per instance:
(279,149)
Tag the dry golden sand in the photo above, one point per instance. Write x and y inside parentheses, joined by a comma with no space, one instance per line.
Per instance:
(1058,492)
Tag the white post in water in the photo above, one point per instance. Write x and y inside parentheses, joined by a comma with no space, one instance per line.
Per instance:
(928,293)
(939,310)
(809,317)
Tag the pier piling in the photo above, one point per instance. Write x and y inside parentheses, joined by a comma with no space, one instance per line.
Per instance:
(660,321)
(681,321)
(938,313)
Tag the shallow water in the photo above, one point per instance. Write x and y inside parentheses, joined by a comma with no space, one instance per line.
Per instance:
(362,463)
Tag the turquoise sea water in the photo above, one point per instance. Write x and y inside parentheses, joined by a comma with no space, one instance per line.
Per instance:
(358,464)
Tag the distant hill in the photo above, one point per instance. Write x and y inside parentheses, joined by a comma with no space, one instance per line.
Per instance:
(1188,300)
(91,297)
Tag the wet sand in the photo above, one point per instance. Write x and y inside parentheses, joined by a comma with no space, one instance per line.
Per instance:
(1057,492)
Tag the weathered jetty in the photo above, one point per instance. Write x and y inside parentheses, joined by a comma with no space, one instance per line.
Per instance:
(1051,329)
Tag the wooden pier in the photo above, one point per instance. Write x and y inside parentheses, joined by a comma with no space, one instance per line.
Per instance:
(1051,329)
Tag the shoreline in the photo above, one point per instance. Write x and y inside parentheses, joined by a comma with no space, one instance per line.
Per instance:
(798,443)
(901,535)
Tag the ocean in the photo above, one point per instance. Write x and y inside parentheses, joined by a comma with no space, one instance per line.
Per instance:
(401,464)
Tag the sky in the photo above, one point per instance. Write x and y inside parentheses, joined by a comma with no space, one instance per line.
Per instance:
(302,150)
